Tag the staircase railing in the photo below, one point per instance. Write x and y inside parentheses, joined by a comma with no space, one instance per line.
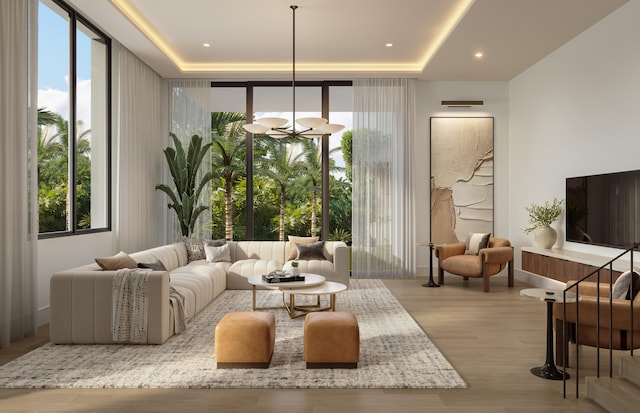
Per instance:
(576,286)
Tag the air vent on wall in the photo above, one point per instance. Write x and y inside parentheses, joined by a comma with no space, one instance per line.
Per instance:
(462,103)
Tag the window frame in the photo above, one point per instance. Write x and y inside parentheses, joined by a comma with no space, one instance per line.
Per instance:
(74,19)
(325,195)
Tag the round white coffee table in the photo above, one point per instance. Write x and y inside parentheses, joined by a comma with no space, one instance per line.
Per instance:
(328,287)
(313,284)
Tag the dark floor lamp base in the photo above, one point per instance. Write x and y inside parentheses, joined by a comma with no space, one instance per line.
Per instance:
(549,372)
(431,283)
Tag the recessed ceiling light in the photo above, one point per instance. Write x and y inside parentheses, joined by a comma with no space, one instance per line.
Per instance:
(478,55)
(389,44)
(206,44)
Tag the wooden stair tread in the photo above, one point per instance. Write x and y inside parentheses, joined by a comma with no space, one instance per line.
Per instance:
(614,394)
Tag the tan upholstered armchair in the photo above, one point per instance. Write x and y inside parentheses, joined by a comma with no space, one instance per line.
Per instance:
(587,331)
(489,261)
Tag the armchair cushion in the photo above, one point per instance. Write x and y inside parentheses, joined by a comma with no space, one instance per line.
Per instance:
(621,286)
(463,265)
(475,242)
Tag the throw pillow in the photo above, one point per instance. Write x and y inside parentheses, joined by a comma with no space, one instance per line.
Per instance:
(157,265)
(117,262)
(195,248)
(217,254)
(215,242)
(621,286)
(311,251)
(476,242)
(293,240)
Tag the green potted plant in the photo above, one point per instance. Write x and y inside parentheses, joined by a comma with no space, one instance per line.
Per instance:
(295,268)
(540,219)
(184,168)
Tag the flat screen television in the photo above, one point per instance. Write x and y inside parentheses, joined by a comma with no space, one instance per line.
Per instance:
(604,209)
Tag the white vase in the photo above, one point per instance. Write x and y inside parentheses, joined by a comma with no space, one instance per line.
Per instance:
(295,271)
(545,236)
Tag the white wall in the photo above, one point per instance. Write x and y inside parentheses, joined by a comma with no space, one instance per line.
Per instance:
(428,98)
(574,113)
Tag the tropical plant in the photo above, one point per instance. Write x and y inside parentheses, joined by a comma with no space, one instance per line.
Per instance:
(346,143)
(340,208)
(184,167)
(312,174)
(228,155)
(341,234)
(282,165)
(543,215)
(54,202)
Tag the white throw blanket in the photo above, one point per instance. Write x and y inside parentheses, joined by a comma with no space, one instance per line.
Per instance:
(176,299)
(130,306)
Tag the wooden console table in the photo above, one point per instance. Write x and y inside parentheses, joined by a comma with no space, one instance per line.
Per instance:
(564,265)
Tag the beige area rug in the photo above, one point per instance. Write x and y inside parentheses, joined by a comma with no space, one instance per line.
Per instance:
(394,353)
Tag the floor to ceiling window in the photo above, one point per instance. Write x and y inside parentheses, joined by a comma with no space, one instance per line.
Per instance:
(73,122)
(267,189)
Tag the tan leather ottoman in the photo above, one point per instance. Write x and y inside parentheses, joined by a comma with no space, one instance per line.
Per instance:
(331,340)
(245,340)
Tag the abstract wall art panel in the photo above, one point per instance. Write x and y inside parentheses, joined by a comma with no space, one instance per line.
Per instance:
(461,177)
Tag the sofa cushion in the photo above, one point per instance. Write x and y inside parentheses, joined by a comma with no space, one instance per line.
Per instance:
(240,271)
(310,251)
(217,254)
(157,265)
(195,248)
(293,240)
(259,250)
(203,280)
(117,262)
(172,256)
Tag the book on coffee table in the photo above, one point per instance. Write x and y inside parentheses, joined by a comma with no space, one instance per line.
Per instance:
(281,278)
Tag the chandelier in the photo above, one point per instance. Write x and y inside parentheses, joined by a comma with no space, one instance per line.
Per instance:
(277,127)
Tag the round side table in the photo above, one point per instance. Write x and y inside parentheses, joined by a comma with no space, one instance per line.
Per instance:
(549,369)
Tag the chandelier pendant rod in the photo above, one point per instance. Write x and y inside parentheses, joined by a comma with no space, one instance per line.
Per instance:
(293,81)
(277,127)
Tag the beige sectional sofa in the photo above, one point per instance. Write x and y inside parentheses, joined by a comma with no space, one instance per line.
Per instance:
(81,298)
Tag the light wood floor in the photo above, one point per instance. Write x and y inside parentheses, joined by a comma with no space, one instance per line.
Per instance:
(492,339)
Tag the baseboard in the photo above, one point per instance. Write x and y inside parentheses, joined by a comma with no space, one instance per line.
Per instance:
(42,317)
(538,280)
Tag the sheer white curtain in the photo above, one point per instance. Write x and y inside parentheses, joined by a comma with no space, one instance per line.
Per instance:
(190,111)
(18,169)
(140,159)
(383,200)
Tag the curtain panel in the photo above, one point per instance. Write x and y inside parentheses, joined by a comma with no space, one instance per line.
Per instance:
(190,108)
(383,199)
(18,170)
(140,208)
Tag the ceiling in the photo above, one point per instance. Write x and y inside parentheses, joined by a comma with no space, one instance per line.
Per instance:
(344,39)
